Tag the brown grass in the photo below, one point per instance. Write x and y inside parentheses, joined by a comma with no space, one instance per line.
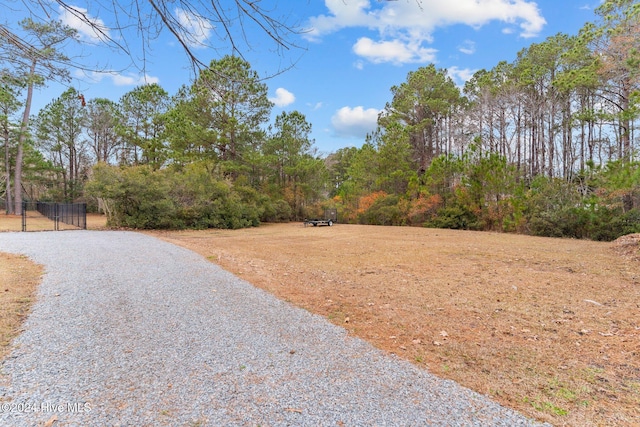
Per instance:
(19,278)
(549,327)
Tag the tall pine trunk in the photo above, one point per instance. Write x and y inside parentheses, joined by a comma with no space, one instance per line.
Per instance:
(17,180)
(9,201)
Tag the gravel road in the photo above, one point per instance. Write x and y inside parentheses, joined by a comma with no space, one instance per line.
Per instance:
(129,330)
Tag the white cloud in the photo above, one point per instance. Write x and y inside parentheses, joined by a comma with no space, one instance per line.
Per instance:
(408,25)
(460,75)
(423,17)
(117,79)
(283,97)
(89,28)
(354,122)
(342,14)
(395,51)
(196,29)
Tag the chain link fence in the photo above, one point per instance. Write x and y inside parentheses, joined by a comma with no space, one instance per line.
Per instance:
(54,215)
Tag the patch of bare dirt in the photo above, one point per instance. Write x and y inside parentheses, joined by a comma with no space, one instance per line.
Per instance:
(550,327)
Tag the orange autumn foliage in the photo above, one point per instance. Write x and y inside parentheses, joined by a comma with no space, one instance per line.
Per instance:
(366,201)
(422,208)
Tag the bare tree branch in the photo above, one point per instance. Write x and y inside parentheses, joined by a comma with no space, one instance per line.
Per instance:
(189,21)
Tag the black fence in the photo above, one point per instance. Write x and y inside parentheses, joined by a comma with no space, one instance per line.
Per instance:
(74,214)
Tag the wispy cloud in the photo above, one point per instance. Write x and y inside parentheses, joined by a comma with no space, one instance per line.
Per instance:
(133,80)
(468,47)
(196,29)
(118,79)
(89,28)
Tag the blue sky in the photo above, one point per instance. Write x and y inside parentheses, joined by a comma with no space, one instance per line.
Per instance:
(352,52)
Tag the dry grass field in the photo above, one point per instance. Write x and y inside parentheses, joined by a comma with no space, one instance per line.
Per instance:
(550,327)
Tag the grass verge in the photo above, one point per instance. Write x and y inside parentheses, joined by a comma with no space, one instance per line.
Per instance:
(19,278)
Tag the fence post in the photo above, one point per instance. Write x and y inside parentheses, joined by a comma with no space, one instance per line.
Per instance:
(56,217)
(24,216)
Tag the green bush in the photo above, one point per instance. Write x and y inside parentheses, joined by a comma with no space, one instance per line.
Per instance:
(617,224)
(138,197)
(629,223)
(277,211)
(454,217)
(384,211)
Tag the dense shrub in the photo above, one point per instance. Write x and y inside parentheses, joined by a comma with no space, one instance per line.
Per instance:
(276,211)
(557,208)
(613,224)
(454,217)
(138,197)
(385,210)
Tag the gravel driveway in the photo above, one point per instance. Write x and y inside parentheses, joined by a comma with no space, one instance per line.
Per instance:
(129,330)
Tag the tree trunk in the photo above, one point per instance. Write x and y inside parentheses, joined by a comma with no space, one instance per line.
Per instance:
(9,201)
(625,122)
(17,180)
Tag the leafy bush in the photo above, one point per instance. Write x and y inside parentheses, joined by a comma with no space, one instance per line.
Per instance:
(385,210)
(423,209)
(556,208)
(277,211)
(613,224)
(628,223)
(139,197)
(455,217)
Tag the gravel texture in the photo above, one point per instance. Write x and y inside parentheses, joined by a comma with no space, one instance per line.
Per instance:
(129,330)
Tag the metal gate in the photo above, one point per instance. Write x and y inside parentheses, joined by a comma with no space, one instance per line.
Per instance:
(74,214)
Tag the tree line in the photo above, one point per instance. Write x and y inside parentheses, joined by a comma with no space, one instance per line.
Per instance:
(155,160)
(546,145)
